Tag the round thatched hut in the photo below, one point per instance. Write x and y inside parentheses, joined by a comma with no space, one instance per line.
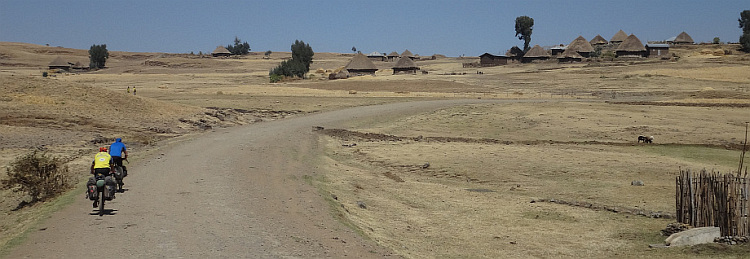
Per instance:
(598,40)
(683,38)
(631,47)
(569,55)
(361,65)
(407,54)
(582,46)
(619,37)
(221,51)
(405,66)
(536,53)
(59,63)
(393,56)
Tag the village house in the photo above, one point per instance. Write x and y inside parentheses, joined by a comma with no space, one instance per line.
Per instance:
(570,55)
(582,46)
(407,54)
(405,66)
(598,41)
(80,66)
(557,50)
(360,65)
(59,63)
(683,38)
(221,51)
(393,56)
(535,54)
(631,47)
(657,50)
(376,56)
(514,54)
(489,60)
(618,38)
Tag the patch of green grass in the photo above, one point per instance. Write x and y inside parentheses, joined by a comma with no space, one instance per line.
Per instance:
(700,154)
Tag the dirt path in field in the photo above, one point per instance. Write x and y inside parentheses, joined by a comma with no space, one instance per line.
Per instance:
(236,193)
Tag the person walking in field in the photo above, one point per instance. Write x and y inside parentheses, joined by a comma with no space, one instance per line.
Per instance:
(133,90)
(128,89)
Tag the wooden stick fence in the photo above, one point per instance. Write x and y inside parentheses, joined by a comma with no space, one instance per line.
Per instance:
(712,199)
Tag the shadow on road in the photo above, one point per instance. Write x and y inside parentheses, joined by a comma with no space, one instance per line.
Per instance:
(110,212)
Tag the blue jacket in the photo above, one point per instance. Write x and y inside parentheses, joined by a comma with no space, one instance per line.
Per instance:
(116,148)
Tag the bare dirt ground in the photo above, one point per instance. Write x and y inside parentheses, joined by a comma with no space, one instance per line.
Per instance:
(409,180)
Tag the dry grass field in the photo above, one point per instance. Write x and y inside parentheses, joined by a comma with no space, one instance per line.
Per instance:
(558,131)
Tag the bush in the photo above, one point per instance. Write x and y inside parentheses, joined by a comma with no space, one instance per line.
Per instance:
(239,47)
(44,74)
(276,78)
(298,66)
(38,175)
(609,54)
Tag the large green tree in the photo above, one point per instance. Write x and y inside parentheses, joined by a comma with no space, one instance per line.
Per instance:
(98,56)
(239,47)
(745,26)
(298,66)
(302,52)
(524,26)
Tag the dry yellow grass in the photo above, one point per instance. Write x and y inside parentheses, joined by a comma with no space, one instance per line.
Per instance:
(431,212)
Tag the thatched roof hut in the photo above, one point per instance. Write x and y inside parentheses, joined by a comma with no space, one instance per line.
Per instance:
(514,54)
(361,65)
(405,65)
(631,47)
(59,63)
(221,51)
(407,54)
(393,56)
(683,38)
(619,37)
(570,55)
(598,40)
(582,46)
(81,65)
(534,54)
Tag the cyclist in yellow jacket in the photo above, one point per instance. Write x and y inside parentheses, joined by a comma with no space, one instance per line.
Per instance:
(104,165)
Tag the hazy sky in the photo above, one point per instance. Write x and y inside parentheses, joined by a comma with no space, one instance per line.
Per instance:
(452,28)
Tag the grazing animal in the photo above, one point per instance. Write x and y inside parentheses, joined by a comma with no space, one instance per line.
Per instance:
(649,139)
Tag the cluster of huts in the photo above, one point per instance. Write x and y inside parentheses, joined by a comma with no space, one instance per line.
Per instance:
(362,64)
(60,64)
(621,45)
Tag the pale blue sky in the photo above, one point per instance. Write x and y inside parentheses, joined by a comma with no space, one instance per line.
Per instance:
(452,28)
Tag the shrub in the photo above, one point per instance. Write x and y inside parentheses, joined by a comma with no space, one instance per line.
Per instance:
(44,74)
(38,175)
(276,78)
(608,54)
(239,47)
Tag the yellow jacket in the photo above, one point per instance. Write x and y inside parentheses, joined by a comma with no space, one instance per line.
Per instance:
(102,160)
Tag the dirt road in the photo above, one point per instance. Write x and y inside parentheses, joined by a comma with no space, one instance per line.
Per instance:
(237,193)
